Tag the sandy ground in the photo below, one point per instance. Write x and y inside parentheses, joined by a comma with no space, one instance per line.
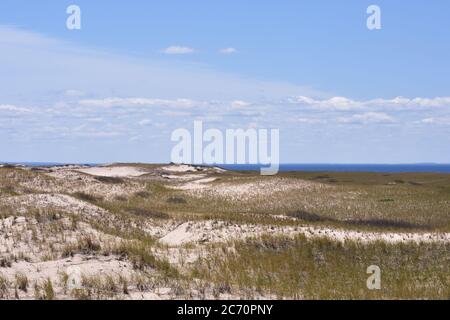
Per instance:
(83,265)
(117,172)
(200,184)
(185,168)
(180,168)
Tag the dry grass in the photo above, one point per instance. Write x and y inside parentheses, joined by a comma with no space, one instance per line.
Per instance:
(63,215)
(323,269)
(377,201)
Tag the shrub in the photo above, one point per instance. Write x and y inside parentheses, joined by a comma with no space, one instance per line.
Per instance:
(121,198)
(85,245)
(5,262)
(22,282)
(148,213)
(143,194)
(384,223)
(110,180)
(176,200)
(85,197)
(49,293)
(4,284)
(141,258)
(307,216)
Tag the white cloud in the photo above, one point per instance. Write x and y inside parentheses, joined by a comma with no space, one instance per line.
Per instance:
(13,108)
(435,121)
(177,50)
(346,104)
(368,117)
(411,103)
(308,120)
(213,105)
(336,103)
(239,104)
(228,50)
(145,122)
(427,120)
(137,102)
(338,109)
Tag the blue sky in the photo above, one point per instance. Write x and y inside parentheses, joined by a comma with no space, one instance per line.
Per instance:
(338,92)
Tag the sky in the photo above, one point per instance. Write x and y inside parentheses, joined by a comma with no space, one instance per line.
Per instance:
(116,89)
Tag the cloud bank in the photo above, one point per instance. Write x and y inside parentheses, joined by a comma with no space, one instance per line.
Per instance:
(69,103)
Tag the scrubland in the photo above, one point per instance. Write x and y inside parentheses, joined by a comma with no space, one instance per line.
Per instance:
(136,231)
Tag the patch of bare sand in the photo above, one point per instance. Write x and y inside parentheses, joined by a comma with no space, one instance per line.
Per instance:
(185,168)
(86,265)
(180,168)
(199,184)
(115,172)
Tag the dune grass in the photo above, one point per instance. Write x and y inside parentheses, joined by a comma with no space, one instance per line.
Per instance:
(354,200)
(323,269)
(271,266)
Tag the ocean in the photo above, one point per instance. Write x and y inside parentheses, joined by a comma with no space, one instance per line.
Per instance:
(383,168)
(45,164)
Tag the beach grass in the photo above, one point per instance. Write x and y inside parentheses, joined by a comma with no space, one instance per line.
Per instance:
(323,269)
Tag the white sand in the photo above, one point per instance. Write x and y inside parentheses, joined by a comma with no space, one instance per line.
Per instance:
(52,269)
(195,185)
(180,168)
(117,172)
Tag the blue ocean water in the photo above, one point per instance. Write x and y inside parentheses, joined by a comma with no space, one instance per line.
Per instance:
(384,168)
(45,164)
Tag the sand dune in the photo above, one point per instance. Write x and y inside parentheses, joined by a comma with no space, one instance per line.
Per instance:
(117,172)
